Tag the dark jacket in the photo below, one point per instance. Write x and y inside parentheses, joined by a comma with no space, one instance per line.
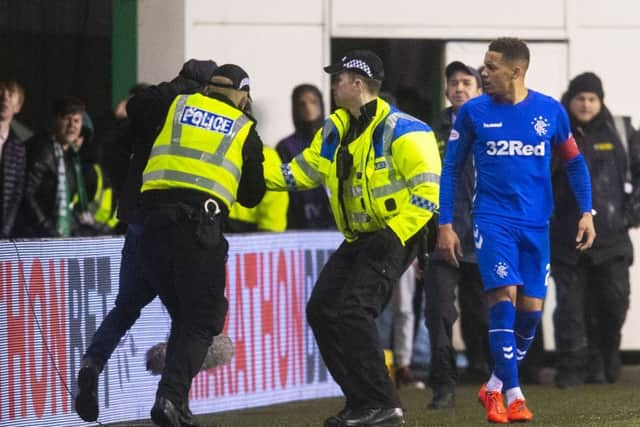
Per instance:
(632,205)
(307,209)
(462,219)
(147,112)
(606,158)
(39,206)
(12,179)
(113,136)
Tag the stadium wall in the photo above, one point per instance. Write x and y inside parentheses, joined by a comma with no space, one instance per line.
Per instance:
(285,42)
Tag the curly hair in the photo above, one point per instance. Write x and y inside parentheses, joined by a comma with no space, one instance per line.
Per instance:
(511,49)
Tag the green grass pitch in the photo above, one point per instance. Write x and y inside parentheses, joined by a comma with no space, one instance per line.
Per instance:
(589,405)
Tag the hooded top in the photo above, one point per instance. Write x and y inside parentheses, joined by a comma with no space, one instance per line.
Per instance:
(306,129)
(307,209)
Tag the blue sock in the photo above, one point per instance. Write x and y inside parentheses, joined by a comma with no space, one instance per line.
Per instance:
(503,343)
(525,331)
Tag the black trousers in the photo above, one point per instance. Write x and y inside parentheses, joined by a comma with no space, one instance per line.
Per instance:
(134,293)
(591,306)
(441,280)
(184,255)
(350,293)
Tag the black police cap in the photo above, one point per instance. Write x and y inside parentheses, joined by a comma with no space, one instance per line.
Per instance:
(363,62)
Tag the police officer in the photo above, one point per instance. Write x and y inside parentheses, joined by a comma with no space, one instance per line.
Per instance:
(269,215)
(382,169)
(206,156)
(146,112)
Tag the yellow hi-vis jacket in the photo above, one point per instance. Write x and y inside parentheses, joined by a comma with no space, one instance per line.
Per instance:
(271,212)
(199,148)
(394,180)
(102,204)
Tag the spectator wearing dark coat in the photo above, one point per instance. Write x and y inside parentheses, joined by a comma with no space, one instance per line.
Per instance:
(441,278)
(114,139)
(59,184)
(592,287)
(12,158)
(307,209)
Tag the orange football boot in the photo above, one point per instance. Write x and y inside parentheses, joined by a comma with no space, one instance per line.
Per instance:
(518,412)
(493,404)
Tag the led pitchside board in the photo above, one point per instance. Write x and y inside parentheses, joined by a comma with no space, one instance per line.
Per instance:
(55,293)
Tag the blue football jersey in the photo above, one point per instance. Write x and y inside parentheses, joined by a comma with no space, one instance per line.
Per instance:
(511,145)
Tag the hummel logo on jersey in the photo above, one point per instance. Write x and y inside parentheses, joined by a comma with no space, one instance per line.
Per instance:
(492,125)
(514,148)
(508,352)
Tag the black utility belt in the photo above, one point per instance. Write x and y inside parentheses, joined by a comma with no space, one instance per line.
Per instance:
(197,201)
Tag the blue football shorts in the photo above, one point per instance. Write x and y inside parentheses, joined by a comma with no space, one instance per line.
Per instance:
(513,254)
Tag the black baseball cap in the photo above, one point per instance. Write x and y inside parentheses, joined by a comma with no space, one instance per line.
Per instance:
(239,77)
(363,62)
(198,69)
(461,66)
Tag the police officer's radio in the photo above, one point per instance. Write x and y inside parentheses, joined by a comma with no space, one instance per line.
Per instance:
(344,162)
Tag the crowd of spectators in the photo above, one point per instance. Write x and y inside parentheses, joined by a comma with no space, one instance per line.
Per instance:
(65,180)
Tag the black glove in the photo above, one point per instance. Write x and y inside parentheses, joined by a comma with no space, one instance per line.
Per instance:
(382,243)
(198,70)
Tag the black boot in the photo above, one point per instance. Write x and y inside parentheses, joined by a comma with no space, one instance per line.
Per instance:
(86,401)
(187,419)
(374,417)
(442,399)
(164,413)
(569,378)
(338,419)
(571,368)
(167,414)
(595,368)
(612,364)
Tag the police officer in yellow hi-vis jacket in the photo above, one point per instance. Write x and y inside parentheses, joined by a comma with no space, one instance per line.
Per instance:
(206,156)
(382,169)
(269,215)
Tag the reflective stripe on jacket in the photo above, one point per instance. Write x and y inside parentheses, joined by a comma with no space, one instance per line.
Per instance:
(102,204)
(199,147)
(394,180)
